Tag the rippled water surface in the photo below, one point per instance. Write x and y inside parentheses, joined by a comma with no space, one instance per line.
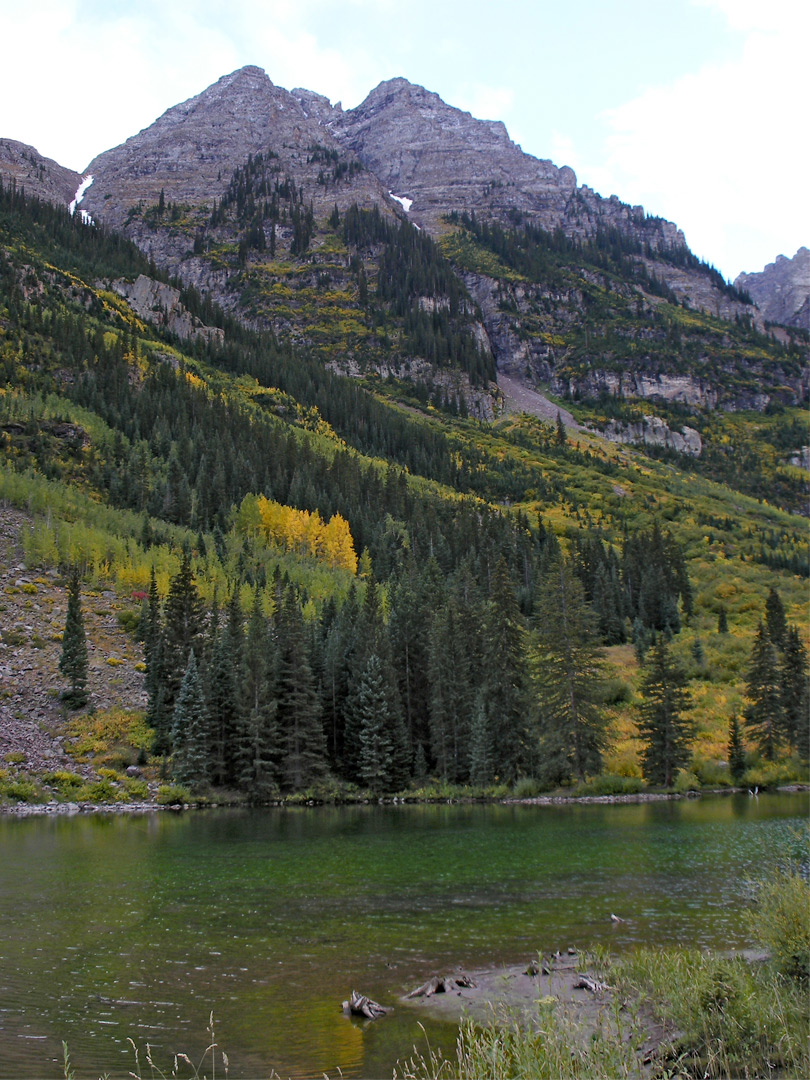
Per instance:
(137,927)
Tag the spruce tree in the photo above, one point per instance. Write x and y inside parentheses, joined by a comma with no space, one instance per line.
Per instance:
(736,750)
(505,679)
(481,751)
(256,732)
(191,760)
(569,675)
(376,756)
(775,619)
(73,662)
(451,697)
(793,678)
(299,708)
(764,714)
(158,717)
(666,733)
(223,693)
(184,621)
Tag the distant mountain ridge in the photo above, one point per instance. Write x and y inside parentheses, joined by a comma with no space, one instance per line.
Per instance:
(246,191)
(782,290)
(25,167)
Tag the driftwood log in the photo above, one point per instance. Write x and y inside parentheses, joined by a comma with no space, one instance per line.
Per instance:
(360,1005)
(584,983)
(442,984)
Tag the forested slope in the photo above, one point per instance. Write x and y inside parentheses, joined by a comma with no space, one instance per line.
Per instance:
(335,582)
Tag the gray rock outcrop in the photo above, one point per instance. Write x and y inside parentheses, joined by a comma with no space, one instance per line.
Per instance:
(160,304)
(782,290)
(653,431)
(40,176)
(444,159)
(191,151)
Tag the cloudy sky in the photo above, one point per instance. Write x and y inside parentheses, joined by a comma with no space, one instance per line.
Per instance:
(697,109)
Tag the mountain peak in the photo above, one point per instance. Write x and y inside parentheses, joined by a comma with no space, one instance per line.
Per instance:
(244,77)
(782,290)
(24,166)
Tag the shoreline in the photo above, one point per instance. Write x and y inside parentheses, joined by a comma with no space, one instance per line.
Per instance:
(513,989)
(72,809)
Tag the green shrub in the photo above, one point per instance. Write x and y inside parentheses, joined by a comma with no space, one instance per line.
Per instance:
(136,788)
(129,621)
(21,789)
(686,781)
(712,773)
(768,774)
(100,791)
(780,921)
(609,784)
(526,788)
(173,795)
(615,692)
(66,783)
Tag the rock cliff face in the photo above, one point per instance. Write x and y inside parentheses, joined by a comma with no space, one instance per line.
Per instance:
(782,290)
(38,175)
(234,191)
(161,305)
(191,151)
(443,159)
(653,431)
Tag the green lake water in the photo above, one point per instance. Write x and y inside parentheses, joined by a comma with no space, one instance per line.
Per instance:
(117,927)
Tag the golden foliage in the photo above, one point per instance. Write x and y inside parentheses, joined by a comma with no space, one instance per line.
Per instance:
(299,531)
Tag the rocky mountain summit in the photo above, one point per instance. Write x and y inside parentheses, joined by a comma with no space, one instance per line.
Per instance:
(43,177)
(782,290)
(444,159)
(190,153)
(295,216)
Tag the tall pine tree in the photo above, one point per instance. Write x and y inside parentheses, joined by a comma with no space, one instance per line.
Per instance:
(73,662)
(666,732)
(299,708)
(569,674)
(764,714)
(191,761)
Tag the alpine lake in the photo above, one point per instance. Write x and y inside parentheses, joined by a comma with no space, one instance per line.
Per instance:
(116,927)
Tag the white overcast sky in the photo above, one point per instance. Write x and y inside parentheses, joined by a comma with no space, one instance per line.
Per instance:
(697,109)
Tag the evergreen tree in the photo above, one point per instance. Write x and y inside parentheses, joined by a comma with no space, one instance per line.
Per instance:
(569,674)
(157,715)
(337,653)
(736,750)
(375,741)
(413,600)
(666,733)
(764,716)
(451,697)
(256,734)
(505,679)
(371,639)
(722,621)
(73,662)
(299,708)
(224,699)
(191,761)
(775,619)
(481,751)
(793,679)
(184,621)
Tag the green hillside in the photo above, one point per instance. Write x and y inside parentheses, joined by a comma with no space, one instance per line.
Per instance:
(364,578)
